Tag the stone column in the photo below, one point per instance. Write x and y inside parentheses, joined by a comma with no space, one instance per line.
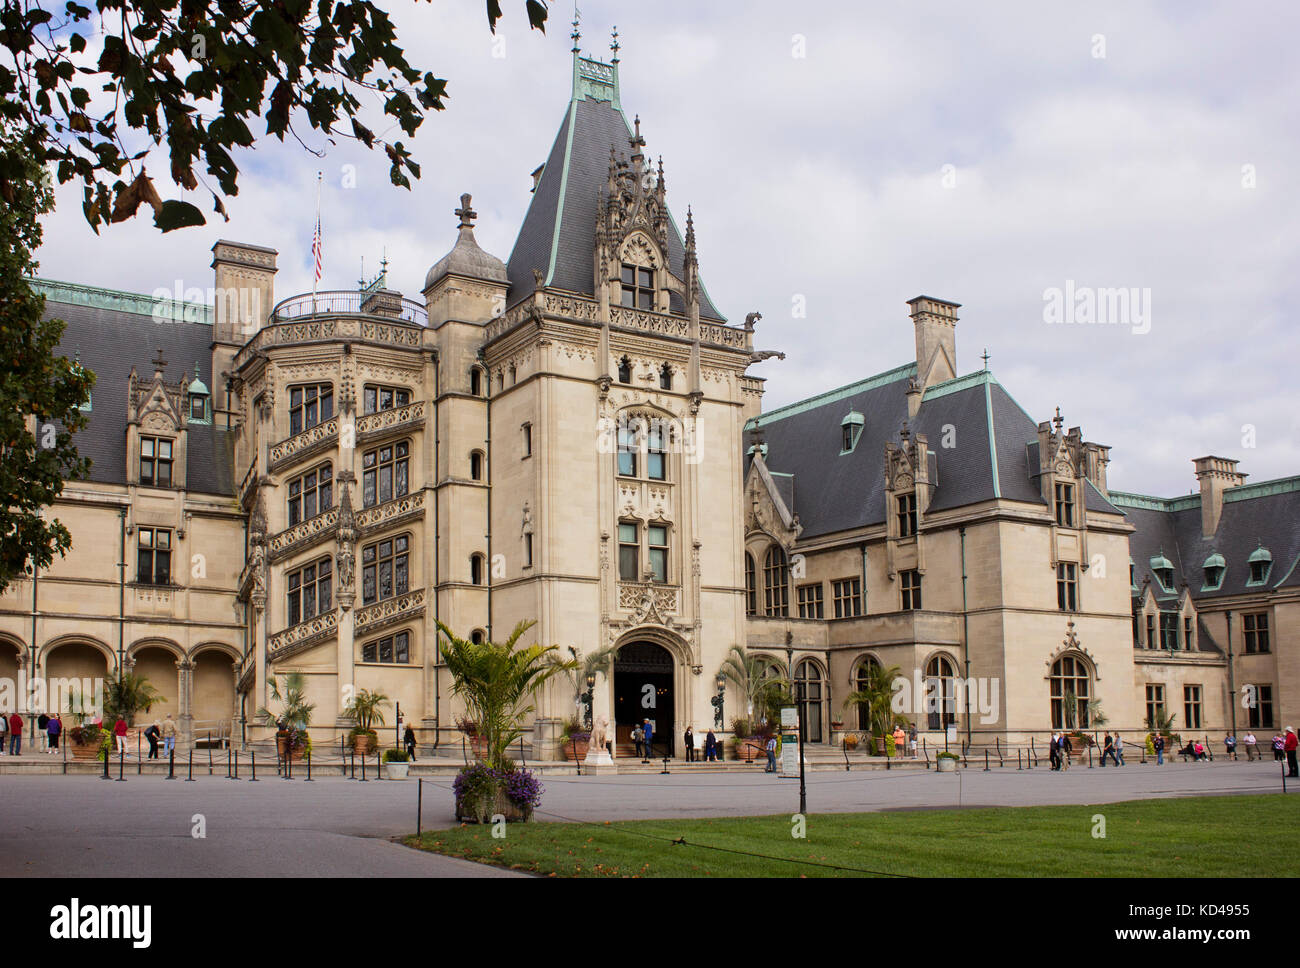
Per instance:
(185,692)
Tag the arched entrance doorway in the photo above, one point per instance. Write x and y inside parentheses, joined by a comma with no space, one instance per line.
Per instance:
(644,689)
(808,689)
(157,666)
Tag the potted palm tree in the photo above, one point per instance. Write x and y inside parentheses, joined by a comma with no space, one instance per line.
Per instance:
(763,693)
(127,695)
(497,682)
(293,717)
(366,710)
(876,699)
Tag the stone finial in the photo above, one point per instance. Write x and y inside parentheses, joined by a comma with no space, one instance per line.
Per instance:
(159,364)
(1058,420)
(466,214)
(614,44)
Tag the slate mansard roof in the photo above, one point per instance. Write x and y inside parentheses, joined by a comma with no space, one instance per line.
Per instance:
(558,233)
(113,332)
(1265,514)
(988,459)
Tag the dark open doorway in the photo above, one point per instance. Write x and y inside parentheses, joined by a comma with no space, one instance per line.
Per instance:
(643,689)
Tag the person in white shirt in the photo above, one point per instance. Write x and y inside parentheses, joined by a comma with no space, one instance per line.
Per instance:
(1250,746)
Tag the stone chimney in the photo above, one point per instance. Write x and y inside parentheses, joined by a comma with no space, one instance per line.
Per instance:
(244,290)
(936,339)
(1215,475)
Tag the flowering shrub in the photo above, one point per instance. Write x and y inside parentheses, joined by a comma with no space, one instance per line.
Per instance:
(476,788)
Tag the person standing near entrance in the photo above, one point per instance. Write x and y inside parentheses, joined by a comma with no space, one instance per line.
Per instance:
(1289,744)
(771,755)
(690,745)
(911,740)
(638,737)
(1119,750)
(54,728)
(119,730)
(168,735)
(710,747)
(647,733)
(15,734)
(1251,744)
(408,740)
(1158,744)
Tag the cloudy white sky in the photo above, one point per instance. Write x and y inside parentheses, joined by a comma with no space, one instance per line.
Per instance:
(1168,164)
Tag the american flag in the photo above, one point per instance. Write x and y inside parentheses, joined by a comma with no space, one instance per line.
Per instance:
(316,248)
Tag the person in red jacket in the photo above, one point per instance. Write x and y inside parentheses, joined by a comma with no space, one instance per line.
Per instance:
(119,730)
(16,736)
(1289,744)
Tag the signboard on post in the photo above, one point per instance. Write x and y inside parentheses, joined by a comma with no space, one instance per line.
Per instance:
(952,733)
(789,717)
(789,754)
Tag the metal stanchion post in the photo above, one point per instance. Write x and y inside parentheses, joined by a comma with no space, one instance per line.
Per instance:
(105,752)
(309,779)
(209,752)
(253,755)
(236,756)
(171,763)
(419,805)
(1018,764)
(121,763)
(363,767)
(139,759)
(190,778)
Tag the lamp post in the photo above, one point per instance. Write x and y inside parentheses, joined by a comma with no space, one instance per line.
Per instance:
(588,698)
(718,699)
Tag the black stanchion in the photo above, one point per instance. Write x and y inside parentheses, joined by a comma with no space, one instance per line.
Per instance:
(171,763)
(139,759)
(419,805)
(288,761)
(363,766)
(1019,766)
(309,779)
(236,764)
(190,778)
(229,750)
(65,756)
(1090,756)
(121,763)
(665,769)
(209,752)
(986,761)
(353,761)
(105,752)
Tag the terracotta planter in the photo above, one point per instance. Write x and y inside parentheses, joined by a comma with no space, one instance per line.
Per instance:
(582,746)
(364,744)
(86,751)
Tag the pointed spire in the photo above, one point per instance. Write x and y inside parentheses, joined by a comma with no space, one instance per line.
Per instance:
(614,45)
(577,34)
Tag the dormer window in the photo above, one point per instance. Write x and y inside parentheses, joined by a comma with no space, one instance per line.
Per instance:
(625,370)
(850,431)
(155,462)
(1215,567)
(199,400)
(1064,505)
(638,287)
(1163,569)
(1260,563)
(906,515)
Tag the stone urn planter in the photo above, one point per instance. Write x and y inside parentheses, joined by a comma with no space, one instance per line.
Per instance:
(946,764)
(397,771)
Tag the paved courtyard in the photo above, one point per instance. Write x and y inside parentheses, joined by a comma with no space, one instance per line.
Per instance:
(84,826)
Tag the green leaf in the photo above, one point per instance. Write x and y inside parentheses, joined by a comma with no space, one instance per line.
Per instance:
(177,215)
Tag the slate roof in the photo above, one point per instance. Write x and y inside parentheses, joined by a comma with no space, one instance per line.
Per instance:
(1266,513)
(110,342)
(986,427)
(558,233)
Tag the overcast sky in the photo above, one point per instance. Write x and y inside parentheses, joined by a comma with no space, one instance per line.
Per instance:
(855,157)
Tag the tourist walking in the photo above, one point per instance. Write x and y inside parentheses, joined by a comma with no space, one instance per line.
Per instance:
(771,755)
(168,735)
(1251,743)
(648,733)
(55,729)
(408,740)
(911,740)
(1289,744)
(1277,747)
(1119,751)
(1054,751)
(1158,744)
(1230,747)
(42,724)
(1065,749)
(689,740)
(710,747)
(15,734)
(153,734)
(638,737)
(1108,750)
(119,731)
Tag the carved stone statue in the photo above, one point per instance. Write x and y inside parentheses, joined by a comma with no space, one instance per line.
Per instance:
(762,355)
(599,732)
(750,320)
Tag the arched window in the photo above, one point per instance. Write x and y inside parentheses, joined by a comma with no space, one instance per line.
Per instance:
(1071,688)
(861,682)
(940,693)
(808,691)
(666,377)
(476,465)
(776,582)
(477,636)
(751,586)
(476,569)
(625,370)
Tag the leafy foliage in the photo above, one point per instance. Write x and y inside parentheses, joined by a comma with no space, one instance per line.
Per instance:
(877,698)
(40,393)
(295,710)
(196,74)
(127,695)
(752,676)
(495,681)
(366,708)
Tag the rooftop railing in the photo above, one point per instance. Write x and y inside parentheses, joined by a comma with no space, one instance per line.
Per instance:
(350,303)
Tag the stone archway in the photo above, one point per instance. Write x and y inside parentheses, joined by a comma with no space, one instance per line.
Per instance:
(76,676)
(645,687)
(157,664)
(213,690)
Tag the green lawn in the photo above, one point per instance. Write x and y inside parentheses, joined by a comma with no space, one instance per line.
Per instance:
(1187,837)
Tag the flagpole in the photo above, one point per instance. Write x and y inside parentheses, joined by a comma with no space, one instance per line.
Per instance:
(316,256)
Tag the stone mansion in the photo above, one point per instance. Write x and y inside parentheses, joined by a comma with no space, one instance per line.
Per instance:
(576,436)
